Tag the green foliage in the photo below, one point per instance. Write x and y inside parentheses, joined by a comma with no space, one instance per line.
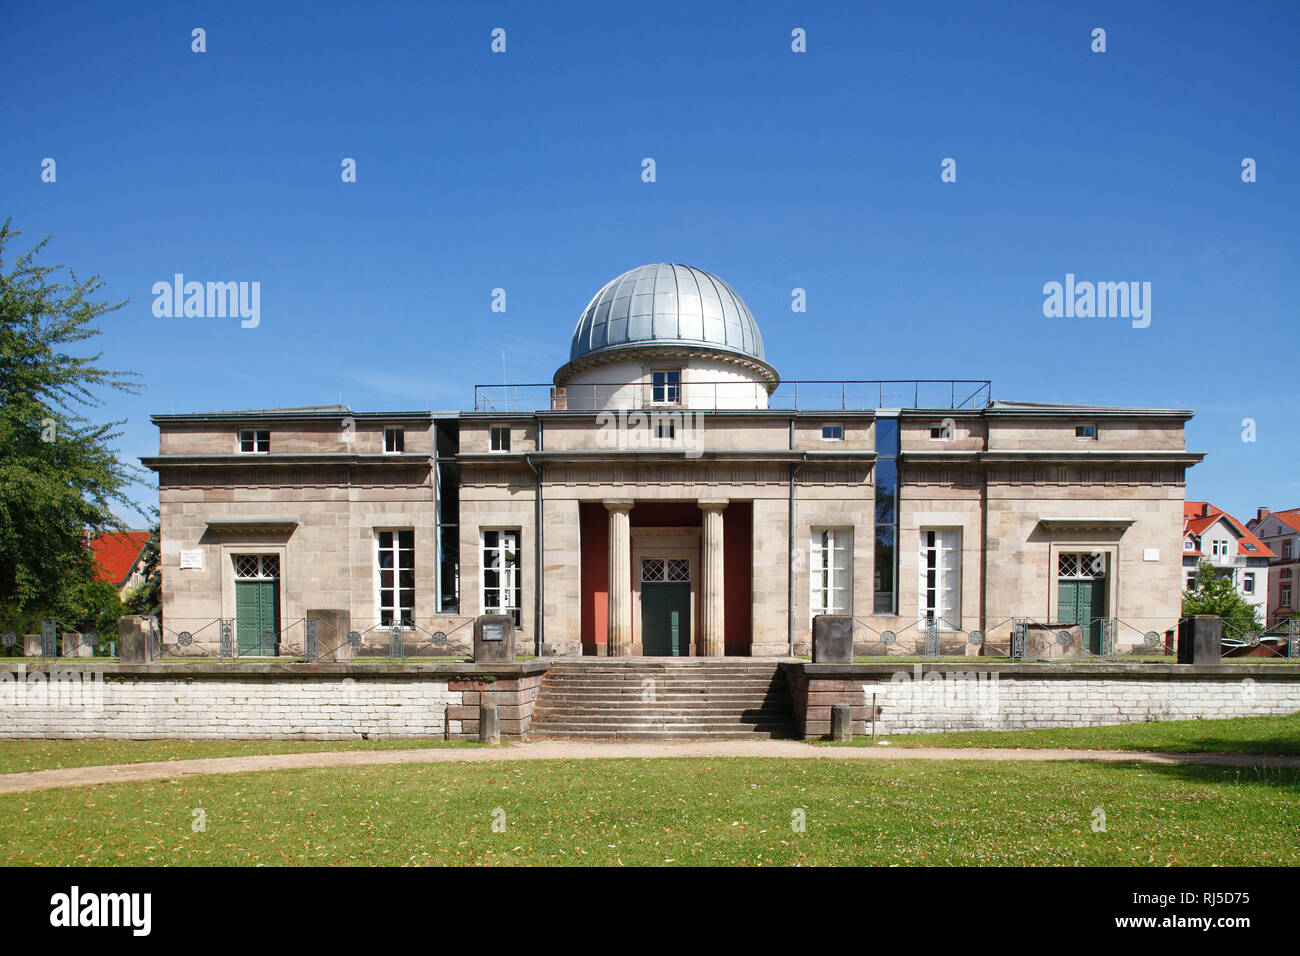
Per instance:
(1216,595)
(59,476)
(146,597)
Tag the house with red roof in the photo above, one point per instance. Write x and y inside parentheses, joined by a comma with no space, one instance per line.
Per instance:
(1280,530)
(118,557)
(1211,534)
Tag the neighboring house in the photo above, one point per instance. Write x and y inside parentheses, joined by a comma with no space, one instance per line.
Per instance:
(117,554)
(1280,531)
(1211,534)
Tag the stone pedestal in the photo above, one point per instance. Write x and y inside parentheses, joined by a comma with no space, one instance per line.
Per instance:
(1043,642)
(73,646)
(713,641)
(620,577)
(494,639)
(133,638)
(489,724)
(1200,639)
(832,639)
(31,645)
(332,626)
(841,722)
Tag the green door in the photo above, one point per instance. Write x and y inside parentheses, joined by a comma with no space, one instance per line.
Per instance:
(666,620)
(1083,603)
(257,612)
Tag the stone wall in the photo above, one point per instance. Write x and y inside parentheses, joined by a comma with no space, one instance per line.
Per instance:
(258,701)
(958,696)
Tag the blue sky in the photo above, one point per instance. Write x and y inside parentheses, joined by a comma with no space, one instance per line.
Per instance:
(775,170)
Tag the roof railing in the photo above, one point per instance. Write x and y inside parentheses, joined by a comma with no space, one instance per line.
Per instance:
(727,395)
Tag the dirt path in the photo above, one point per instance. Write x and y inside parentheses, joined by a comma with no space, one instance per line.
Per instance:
(588,750)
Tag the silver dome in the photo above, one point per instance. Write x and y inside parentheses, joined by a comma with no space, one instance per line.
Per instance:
(664,304)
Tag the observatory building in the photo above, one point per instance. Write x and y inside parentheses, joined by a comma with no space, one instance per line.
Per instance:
(668,494)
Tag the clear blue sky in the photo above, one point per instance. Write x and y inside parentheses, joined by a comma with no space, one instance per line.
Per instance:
(775,170)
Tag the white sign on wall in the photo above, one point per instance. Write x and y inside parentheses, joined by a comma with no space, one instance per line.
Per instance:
(1150,554)
(192,559)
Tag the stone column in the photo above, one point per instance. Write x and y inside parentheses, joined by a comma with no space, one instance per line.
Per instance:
(712,610)
(620,578)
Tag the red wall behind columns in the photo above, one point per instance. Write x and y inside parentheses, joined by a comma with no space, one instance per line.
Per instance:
(737,576)
(593,527)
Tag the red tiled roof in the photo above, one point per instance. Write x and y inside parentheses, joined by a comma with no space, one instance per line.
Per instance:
(1289,518)
(116,553)
(1195,521)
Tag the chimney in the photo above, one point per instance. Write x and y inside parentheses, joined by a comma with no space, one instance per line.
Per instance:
(1205,509)
(1261,514)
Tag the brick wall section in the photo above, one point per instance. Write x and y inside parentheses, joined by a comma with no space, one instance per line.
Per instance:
(261,701)
(942,697)
(514,697)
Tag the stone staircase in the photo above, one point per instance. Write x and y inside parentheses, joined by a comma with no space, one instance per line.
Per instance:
(663,699)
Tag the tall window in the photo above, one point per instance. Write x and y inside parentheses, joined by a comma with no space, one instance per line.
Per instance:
(666,387)
(1286,550)
(1248,583)
(940,577)
(395,560)
(886,583)
(500,437)
(394,440)
(254,441)
(1286,596)
(501,590)
(830,570)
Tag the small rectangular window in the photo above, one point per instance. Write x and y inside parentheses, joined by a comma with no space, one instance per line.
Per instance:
(254,442)
(666,429)
(500,437)
(832,433)
(666,387)
(1286,596)
(1248,585)
(942,432)
(1085,431)
(394,440)
(1286,550)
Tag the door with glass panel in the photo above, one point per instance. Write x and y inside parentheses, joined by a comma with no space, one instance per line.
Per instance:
(939,578)
(666,607)
(257,603)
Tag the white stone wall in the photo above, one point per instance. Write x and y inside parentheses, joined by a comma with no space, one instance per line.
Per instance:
(93,707)
(1000,702)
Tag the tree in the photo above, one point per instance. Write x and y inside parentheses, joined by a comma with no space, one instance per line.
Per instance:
(1217,595)
(146,597)
(59,476)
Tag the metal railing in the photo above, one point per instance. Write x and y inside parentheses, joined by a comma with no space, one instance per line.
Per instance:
(806,394)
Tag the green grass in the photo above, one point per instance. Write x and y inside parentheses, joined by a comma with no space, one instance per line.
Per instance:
(1252,735)
(671,812)
(18,755)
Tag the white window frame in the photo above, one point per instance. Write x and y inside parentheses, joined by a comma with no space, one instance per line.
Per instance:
(945,433)
(255,440)
(493,432)
(396,609)
(1248,582)
(1096,432)
(670,388)
(830,582)
(509,581)
(836,429)
(400,433)
(943,598)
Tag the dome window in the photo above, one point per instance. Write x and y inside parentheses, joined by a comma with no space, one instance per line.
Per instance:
(666,387)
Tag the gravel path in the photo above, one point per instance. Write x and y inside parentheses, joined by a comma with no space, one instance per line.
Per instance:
(28,781)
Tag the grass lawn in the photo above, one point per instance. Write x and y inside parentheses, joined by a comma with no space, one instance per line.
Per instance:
(672,811)
(17,755)
(1252,735)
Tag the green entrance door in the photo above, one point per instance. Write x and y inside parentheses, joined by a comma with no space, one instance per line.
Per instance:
(257,613)
(1083,602)
(666,619)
